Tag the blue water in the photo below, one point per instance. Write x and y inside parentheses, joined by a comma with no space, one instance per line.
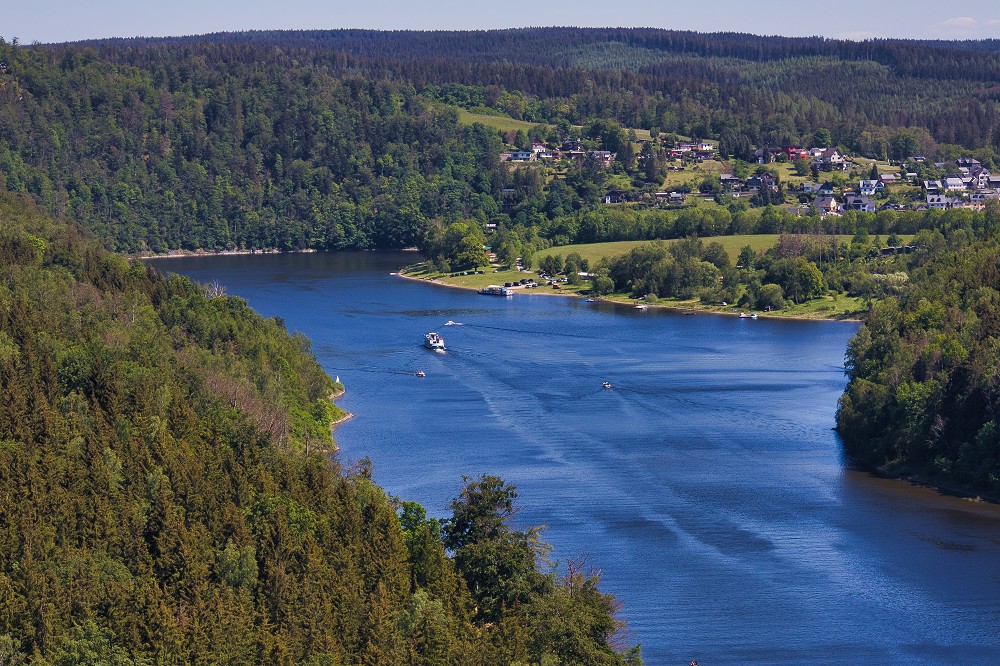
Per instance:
(707,485)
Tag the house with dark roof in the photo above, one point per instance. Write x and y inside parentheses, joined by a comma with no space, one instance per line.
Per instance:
(861,204)
(827,206)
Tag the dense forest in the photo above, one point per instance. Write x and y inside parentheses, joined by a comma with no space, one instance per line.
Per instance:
(350,139)
(923,396)
(168,495)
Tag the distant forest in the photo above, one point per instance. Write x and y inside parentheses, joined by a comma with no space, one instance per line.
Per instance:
(350,139)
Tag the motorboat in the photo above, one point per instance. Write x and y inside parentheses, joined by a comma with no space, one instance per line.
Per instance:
(434,341)
(607,385)
(421,373)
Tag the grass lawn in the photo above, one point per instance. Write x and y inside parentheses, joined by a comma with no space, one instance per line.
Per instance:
(506,123)
(593,252)
(502,123)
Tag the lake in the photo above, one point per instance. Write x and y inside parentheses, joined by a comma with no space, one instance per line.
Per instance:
(706,485)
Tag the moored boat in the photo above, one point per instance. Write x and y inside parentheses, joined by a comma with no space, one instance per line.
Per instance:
(496,290)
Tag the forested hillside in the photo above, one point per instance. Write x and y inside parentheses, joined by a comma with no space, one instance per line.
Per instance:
(166,496)
(924,392)
(349,139)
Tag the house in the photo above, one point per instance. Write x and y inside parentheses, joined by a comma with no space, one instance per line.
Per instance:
(832,158)
(603,156)
(953,184)
(827,206)
(826,189)
(615,197)
(572,145)
(670,197)
(810,187)
(729,182)
(757,183)
(980,197)
(979,178)
(862,204)
(887,178)
(537,146)
(940,202)
(522,156)
(968,162)
(868,188)
(933,186)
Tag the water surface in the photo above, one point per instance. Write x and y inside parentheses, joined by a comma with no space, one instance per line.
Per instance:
(706,485)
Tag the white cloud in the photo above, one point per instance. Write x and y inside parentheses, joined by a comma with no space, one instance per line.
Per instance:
(960,22)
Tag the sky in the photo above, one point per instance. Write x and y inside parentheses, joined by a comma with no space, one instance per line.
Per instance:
(69,20)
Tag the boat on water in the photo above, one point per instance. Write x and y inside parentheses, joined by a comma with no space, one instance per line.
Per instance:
(496,290)
(421,373)
(607,385)
(744,315)
(641,306)
(434,341)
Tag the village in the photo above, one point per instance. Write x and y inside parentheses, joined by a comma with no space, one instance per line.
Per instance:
(808,181)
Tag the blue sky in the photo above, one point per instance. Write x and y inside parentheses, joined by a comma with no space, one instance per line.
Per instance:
(67,20)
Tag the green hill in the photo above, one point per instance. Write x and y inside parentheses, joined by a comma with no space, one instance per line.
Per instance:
(166,495)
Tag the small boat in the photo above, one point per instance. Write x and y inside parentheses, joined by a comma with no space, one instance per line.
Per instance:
(641,306)
(591,300)
(744,315)
(607,385)
(421,373)
(753,315)
(434,341)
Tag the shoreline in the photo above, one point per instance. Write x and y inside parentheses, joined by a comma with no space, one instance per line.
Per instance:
(347,416)
(914,480)
(675,308)
(183,254)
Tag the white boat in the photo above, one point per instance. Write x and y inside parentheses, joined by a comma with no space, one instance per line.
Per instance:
(421,373)
(607,385)
(496,290)
(641,306)
(434,341)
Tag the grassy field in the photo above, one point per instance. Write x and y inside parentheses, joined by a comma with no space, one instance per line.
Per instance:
(593,252)
(507,124)
(502,123)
